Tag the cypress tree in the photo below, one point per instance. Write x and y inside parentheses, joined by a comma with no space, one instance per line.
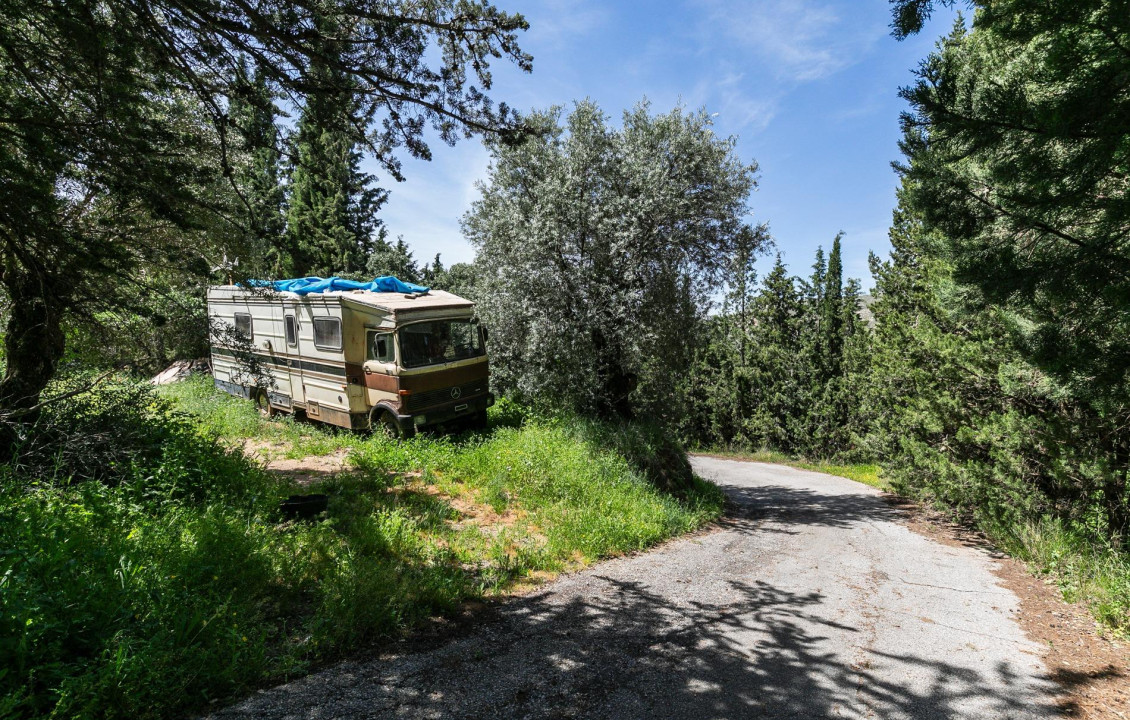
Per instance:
(781,367)
(253,112)
(332,222)
(831,313)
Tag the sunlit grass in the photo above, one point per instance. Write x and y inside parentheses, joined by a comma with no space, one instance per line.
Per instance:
(181,583)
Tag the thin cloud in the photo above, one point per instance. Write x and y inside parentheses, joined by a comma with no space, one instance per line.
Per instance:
(560,21)
(738,108)
(802,40)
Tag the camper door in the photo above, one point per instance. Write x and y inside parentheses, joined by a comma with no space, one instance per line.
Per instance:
(293,354)
(380,366)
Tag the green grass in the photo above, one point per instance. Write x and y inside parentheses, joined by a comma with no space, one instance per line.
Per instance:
(1096,577)
(868,474)
(173,581)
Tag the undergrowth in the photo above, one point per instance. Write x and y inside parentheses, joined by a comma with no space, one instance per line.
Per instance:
(155,586)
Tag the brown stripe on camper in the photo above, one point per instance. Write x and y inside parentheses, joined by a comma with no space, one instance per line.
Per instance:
(379,381)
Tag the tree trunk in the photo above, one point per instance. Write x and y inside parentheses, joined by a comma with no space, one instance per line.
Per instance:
(33,343)
(614,383)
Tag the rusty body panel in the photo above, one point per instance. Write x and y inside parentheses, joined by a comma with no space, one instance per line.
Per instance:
(447,377)
(380,381)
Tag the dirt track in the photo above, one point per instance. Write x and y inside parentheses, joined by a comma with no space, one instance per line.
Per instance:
(812,599)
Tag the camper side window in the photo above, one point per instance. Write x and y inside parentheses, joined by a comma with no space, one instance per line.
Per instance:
(291,331)
(243,324)
(327,333)
(380,347)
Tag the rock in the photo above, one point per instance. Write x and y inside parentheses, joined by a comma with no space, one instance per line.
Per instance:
(180,370)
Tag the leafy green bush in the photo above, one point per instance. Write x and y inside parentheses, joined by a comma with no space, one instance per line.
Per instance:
(151,587)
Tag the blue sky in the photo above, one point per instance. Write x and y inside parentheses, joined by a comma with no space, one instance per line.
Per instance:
(809,87)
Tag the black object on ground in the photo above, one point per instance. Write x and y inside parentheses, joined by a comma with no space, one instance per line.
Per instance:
(304,506)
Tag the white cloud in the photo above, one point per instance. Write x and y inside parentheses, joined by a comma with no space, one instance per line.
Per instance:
(802,40)
(427,207)
(559,22)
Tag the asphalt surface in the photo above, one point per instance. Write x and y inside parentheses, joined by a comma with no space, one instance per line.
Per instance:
(810,600)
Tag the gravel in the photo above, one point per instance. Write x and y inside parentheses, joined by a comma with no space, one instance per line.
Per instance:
(811,599)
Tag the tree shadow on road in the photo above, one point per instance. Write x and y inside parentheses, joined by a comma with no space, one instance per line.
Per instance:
(609,648)
(793,508)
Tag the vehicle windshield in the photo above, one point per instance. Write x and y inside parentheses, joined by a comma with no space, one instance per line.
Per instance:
(439,341)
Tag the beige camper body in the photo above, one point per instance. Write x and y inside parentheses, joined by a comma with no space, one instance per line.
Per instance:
(354,358)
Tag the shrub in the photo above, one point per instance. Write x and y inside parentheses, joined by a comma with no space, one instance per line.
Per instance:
(148,585)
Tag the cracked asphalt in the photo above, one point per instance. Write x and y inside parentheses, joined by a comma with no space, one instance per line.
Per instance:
(811,599)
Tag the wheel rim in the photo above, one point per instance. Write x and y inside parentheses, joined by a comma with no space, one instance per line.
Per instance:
(263,404)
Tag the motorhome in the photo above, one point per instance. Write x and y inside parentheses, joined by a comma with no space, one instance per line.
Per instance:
(351,355)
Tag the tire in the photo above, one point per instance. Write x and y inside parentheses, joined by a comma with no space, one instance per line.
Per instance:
(387,425)
(263,405)
(478,421)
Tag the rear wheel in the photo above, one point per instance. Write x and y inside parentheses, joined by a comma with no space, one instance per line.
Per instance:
(263,404)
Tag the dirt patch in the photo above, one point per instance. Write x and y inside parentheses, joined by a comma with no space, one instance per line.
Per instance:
(310,470)
(1092,671)
(483,516)
(305,471)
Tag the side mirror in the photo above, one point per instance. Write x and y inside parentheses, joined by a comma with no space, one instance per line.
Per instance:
(486,334)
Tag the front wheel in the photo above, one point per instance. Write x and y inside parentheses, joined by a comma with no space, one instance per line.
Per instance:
(388,426)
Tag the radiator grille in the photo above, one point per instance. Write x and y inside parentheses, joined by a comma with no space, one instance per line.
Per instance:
(439,396)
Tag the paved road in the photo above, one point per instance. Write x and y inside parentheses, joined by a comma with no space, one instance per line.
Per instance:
(811,600)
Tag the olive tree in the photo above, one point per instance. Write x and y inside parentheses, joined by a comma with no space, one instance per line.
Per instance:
(597,249)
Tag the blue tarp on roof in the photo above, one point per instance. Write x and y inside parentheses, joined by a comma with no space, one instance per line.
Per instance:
(307,285)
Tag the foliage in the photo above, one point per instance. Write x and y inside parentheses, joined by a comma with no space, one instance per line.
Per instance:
(599,245)
(332,211)
(782,366)
(959,417)
(178,583)
(1016,146)
(258,174)
(998,384)
(387,258)
(169,321)
(117,147)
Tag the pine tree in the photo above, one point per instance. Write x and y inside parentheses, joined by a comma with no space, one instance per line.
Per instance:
(393,259)
(253,111)
(332,224)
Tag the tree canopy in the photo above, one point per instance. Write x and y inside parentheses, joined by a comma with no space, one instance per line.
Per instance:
(599,246)
(117,143)
(1017,146)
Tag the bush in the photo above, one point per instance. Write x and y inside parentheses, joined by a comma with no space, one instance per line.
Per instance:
(151,584)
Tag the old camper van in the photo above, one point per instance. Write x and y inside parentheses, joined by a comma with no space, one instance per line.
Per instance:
(351,354)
